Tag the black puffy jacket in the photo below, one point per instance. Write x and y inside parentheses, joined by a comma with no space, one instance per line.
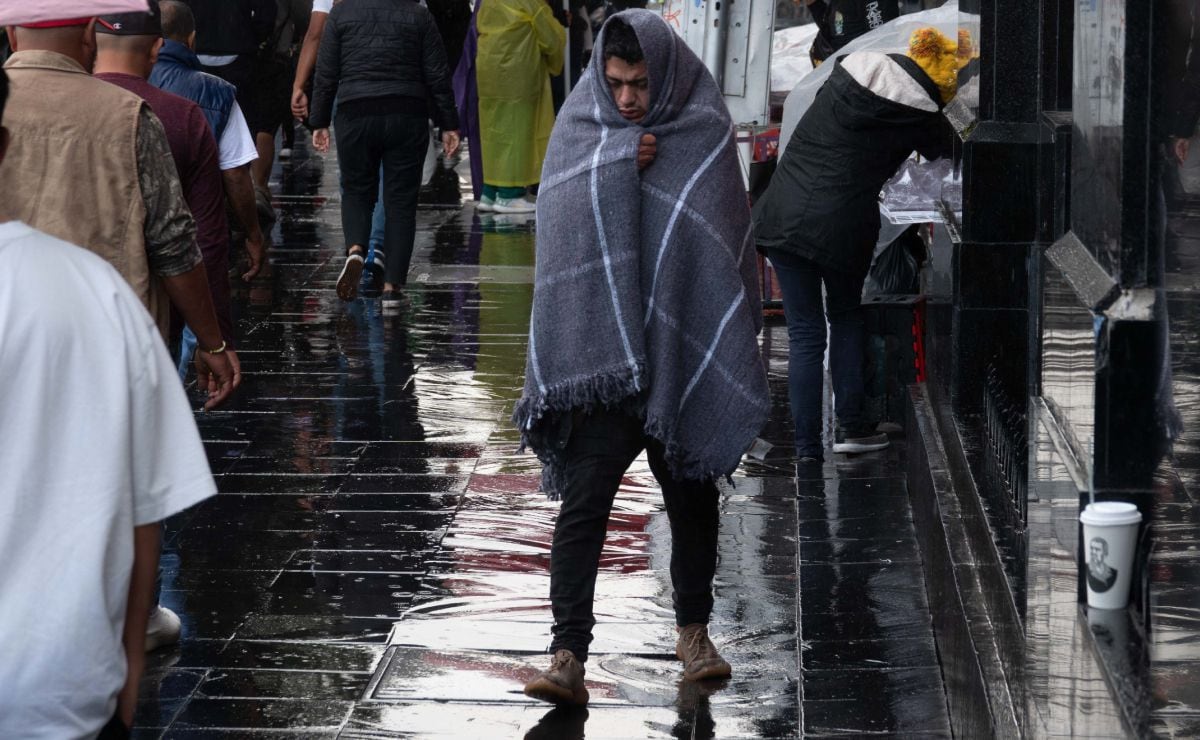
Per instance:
(232,26)
(379,49)
(823,200)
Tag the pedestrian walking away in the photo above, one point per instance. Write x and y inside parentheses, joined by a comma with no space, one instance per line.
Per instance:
(382,61)
(177,70)
(229,37)
(818,221)
(127,45)
(658,350)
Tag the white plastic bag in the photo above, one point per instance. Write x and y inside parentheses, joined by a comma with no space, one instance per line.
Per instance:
(790,61)
(913,193)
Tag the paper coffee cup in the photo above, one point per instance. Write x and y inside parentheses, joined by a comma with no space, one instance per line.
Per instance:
(1109,539)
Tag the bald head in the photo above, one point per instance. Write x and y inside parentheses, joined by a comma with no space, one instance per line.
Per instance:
(131,55)
(178,22)
(76,42)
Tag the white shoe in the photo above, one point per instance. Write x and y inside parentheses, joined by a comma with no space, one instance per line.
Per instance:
(163,629)
(485,205)
(514,205)
(862,441)
(285,152)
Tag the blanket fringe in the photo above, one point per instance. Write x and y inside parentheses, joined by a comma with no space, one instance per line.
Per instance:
(544,419)
(545,422)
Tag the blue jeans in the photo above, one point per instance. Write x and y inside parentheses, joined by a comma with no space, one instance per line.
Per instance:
(806,314)
(377,219)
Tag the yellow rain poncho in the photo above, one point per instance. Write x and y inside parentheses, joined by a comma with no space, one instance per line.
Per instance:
(520,46)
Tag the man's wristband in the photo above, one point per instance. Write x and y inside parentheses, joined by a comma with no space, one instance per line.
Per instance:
(218,350)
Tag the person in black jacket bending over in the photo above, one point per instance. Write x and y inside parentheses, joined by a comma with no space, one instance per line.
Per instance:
(818,221)
(382,60)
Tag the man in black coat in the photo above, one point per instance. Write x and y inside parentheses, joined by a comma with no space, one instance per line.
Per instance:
(818,221)
(384,62)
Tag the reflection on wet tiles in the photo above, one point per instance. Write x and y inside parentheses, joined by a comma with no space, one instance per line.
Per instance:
(330,602)
(855,529)
(858,654)
(859,579)
(262,683)
(314,628)
(249,557)
(863,624)
(691,716)
(196,579)
(296,656)
(278,483)
(872,686)
(346,584)
(920,715)
(876,600)
(860,551)
(169,683)
(207,714)
(884,499)
(371,561)
(490,677)
(397,483)
(432,720)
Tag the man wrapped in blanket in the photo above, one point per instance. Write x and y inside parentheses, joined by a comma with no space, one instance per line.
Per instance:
(644,327)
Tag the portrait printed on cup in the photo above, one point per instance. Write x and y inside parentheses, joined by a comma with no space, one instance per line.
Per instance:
(1101,576)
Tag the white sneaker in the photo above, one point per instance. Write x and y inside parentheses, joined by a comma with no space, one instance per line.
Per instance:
(860,441)
(514,205)
(485,205)
(285,152)
(163,629)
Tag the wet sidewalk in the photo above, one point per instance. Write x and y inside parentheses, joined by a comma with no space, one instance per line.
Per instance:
(376,564)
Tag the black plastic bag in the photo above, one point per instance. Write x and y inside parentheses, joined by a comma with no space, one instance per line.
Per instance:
(897,269)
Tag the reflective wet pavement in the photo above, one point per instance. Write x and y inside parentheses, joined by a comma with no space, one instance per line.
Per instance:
(376,562)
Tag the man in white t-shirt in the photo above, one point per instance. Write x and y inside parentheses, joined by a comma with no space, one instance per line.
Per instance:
(79,537)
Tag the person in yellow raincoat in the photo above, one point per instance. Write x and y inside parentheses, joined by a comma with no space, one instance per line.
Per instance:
(521,45)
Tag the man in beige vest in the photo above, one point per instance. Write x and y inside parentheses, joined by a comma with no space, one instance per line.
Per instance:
(89,163)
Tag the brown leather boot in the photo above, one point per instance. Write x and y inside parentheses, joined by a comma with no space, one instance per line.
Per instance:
(700,657)
(562,683)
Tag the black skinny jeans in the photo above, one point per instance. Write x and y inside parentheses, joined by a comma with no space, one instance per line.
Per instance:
(601,448)
(397,141)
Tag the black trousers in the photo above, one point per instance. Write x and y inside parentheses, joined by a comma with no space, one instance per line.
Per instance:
(397,141)
(601,448)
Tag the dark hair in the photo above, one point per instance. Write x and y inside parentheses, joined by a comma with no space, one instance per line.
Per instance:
(3,93)
(178,22)
(620,41)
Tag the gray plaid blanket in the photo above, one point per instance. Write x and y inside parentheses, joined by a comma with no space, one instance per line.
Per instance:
(645,292)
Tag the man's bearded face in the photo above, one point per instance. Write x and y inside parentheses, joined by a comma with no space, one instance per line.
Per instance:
(630,87)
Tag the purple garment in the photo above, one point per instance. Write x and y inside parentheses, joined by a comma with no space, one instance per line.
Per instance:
(466,97)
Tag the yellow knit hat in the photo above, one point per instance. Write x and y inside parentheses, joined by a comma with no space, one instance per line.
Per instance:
(938,56)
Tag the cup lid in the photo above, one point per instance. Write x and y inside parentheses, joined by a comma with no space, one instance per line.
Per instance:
(1110,514)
